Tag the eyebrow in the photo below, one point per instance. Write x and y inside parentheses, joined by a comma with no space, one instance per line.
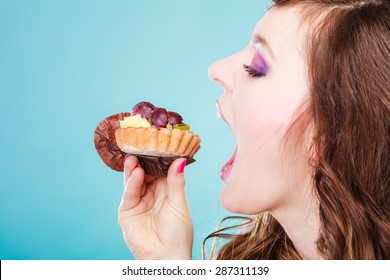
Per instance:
(260,39)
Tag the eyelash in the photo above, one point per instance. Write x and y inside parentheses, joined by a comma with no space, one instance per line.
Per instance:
(253,72)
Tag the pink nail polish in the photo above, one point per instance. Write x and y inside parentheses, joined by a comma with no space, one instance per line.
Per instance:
(127,155)
(180,168)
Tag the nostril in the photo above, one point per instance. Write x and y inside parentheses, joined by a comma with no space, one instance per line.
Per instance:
(220,82)
(219,74)
(212,73)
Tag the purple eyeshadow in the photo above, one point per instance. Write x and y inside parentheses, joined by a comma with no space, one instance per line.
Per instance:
(258,63)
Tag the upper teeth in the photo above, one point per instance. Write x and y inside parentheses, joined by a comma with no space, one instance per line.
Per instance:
(218,112)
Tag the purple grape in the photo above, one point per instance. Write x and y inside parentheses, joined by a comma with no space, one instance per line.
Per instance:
(174,118)
(144,109)
(159,117)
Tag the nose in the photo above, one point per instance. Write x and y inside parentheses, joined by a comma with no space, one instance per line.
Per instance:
(221,73)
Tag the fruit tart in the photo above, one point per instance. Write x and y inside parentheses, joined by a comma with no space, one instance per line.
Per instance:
(156,136)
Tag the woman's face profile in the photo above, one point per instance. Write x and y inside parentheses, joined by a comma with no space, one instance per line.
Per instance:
(259,102)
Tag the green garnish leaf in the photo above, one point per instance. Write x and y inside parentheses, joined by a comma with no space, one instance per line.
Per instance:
(181,126)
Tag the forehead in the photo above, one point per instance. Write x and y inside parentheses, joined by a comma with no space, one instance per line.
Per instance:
(284,30)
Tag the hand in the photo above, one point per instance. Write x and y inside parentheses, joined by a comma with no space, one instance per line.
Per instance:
(154,213)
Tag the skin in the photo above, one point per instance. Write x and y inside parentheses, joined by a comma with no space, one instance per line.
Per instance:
(148,205)
(265,176)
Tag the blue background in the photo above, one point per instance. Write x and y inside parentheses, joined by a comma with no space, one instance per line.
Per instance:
(65,66)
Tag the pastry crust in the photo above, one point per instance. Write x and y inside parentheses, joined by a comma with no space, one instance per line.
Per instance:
(151,141)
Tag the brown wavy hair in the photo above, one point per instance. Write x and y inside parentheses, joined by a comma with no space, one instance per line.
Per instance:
(348,59)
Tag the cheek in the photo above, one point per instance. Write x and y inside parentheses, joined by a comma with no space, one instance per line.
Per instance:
(260,137)
(264,117)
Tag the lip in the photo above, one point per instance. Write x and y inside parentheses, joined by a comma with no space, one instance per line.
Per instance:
(227,168)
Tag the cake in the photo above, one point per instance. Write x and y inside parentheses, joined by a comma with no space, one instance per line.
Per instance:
(153,134)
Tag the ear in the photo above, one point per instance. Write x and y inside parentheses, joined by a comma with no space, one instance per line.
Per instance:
(313,155)
(312,144)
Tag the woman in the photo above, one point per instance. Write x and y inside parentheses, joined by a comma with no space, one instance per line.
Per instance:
(309,103)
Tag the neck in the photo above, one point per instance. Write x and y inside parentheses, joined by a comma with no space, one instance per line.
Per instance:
(301,222)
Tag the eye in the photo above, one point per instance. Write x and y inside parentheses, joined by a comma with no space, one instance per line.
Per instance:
(253,72)
(258,67)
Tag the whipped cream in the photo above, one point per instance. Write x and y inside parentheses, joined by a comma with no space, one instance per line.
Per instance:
(134,121)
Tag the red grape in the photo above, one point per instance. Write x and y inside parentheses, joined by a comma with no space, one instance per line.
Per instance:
(159,117)
(174,118)
(144,109)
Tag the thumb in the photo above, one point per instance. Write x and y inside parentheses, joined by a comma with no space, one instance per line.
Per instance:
(177,183)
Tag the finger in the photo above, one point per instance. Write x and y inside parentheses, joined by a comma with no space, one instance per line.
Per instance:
(149,179)
(176,183)
(130,164)
(133,189)
(143,190)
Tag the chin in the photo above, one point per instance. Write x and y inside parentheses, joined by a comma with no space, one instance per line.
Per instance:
(233,202)
(229,200)
(246,201)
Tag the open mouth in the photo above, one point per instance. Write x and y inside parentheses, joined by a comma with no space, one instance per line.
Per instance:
(226,169)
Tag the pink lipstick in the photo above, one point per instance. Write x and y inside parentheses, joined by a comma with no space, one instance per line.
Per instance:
(227,168)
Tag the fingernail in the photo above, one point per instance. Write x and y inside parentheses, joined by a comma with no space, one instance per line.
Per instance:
(138,165)
(127,155)
(180,168)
